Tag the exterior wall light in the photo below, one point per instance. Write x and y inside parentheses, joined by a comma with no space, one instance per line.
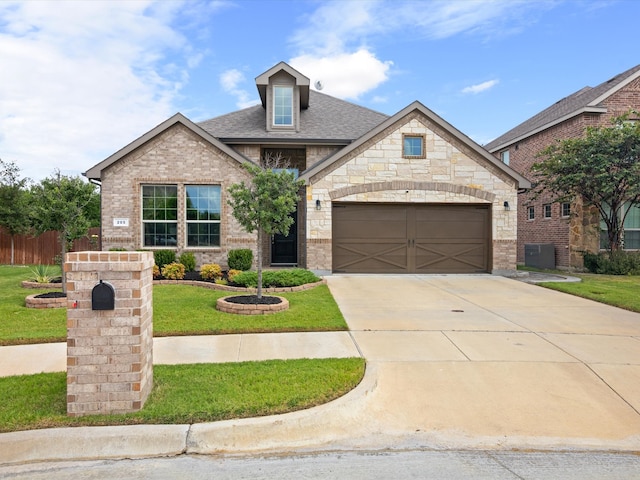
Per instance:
(506,206)
(318,205)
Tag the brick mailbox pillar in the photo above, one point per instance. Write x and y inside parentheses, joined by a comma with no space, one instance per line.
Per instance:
(109,331)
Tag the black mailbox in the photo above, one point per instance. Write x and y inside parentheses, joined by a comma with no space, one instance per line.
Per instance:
(103,297)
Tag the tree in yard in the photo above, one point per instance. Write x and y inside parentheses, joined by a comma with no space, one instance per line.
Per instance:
(603,168)
(265,204)
(61,203)
(14,202)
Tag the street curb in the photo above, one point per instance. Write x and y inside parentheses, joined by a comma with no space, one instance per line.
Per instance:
(324,423)
(92,443)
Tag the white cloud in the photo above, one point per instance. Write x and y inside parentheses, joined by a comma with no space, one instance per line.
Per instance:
(338,35)
(82,79)
(344,75)
(480,87)
(230,81)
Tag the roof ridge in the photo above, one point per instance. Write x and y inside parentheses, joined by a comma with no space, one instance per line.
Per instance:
(567,106)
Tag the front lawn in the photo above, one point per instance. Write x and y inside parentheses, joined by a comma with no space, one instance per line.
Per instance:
(178,310)
(617,290)
(185,394)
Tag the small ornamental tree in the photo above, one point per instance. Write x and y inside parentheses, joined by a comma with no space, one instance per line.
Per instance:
(603,168)
(15,203)
(265,204)
(60,203)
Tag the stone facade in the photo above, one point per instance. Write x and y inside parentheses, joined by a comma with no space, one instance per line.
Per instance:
(377,172)
(109,352)
(175,157)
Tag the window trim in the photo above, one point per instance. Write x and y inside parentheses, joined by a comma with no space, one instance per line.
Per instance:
(274,115)
(562,209)
(531,213)
(546,208)
(187,221)
(144,222)
(423,152)
(505,154)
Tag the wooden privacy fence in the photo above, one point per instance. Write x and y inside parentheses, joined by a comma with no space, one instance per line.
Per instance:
(43,249)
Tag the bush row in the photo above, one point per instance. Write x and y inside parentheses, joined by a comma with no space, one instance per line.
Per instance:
(238,259)
(613,263)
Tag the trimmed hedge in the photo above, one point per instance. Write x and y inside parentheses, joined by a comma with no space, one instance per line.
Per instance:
(240,259)
(613,263)
(292,277)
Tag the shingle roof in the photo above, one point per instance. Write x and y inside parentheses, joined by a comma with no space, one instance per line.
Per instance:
(327,119)
(584,100)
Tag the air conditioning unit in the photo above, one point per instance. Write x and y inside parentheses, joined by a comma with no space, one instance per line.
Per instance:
(540,255)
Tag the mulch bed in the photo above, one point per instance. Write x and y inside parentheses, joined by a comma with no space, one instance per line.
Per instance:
(51,295)
(254,300)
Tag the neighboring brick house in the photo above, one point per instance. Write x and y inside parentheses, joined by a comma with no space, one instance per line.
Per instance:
(401,194)
(570,227)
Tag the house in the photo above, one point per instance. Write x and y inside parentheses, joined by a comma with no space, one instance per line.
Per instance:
(383,194)
(570,227)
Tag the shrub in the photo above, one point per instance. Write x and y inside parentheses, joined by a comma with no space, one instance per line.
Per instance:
(41,274)
(277,278)
(232,274)
(221,281)
(210,271)
(164,257)
(188,259)
(173,271)
(156,271)
(117,249)
(240,259)
(613,263)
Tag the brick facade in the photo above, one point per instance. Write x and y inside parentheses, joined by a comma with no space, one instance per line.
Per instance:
(109,352)
(175,157)
(579,232)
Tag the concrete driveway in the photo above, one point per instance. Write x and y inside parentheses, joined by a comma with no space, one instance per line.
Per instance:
(488,361)
(457,361)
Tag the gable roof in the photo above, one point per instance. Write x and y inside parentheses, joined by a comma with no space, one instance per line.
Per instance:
(95,172)
(317,168)
(587,99)
(328,120)
(262,81)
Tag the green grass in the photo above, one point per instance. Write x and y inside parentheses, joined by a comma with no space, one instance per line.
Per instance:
(617,290)
(188,310)
(19,324)
(178,310)
(185,394)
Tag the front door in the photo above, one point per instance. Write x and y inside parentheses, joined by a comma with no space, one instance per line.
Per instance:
(284,249)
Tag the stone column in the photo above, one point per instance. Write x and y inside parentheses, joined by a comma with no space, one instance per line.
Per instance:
(109,352)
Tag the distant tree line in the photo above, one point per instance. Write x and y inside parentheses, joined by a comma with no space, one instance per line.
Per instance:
(69,205)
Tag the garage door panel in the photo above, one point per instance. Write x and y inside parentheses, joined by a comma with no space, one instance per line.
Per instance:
(372,257)
(406,238)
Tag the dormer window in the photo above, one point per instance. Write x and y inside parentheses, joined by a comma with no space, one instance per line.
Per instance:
(282,105)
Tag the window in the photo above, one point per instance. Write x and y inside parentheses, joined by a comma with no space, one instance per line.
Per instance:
(203,215)
(566,209)
(160,215)
(413,146)
(504,157)
(631,229)
(531,213)
(547,210)
(282,105)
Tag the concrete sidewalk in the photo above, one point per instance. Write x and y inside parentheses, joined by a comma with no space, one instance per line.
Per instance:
(52,357)
(452,362)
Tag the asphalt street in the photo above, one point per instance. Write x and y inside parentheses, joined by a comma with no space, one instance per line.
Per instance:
(422,464)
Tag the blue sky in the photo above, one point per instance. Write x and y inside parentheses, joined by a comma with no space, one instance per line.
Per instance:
(79,80)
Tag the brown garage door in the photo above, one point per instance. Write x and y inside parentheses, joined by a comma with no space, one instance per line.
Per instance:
(410,238)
